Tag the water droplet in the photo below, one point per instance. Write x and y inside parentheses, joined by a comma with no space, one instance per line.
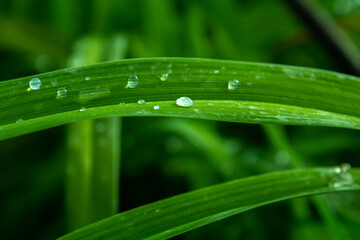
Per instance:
(35,83)
(184,102)
(249,84)
(61,92)
(121,103)
(90,94)
(233,84)
(169,67)
(19,120)
(82,109)
(133,81)
(87,78)
(223,67)
(164,76)
(216,71)
(141,101)
(156,107)
(342,176)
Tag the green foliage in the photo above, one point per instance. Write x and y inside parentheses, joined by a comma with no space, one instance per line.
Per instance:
(200,170)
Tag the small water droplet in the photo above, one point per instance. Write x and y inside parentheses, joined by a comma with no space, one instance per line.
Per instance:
(35,83)
(61,92)
(133,81)
(156,107)
(233,84)
(341,177)
(249,84)
(87,78)
(82,109)
(19,120)
(121,103)
(169,67)
(184,102)
(216,71)
(164,76)
(141,101)
(223,67)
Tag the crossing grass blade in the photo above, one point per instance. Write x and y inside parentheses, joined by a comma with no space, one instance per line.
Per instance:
(256,93)
(172,216)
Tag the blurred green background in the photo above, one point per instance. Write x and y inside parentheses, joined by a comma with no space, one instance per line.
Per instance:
(162,157)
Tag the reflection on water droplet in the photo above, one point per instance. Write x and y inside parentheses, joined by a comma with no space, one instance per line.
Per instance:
(133,81)
(87,78)
(216,71)
(90,94)
(184,102)
(82,109)
(61,92)
(156,107)
(35,83)
(141,101)
(341,177)
(233,84)
(19,120)
(164,76)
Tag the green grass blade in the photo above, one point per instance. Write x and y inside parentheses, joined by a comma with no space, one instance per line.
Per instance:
(172,216)
(265,93)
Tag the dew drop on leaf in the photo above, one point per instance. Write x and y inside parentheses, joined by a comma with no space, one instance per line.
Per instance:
(82,109)
(164,76)
(156,107)
(341,176)
(132,81)
(19,120)
(233,84)
(61,92)
(87,78)
(35,83)
(141,101)
(184,102)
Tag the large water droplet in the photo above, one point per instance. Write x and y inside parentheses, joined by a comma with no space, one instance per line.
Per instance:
(141,101)
(184,102)
(156,107)
(233,84)
(164,76)
(341,177)
(133,81)
(94,93)
(35,83)
(61,92)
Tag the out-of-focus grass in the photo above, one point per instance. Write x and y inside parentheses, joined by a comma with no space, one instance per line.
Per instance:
(39,36)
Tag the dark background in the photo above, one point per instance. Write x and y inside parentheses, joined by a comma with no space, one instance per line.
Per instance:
(42,35)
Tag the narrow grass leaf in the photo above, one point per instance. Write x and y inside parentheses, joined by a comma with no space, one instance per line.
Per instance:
(179,214)
(219,90)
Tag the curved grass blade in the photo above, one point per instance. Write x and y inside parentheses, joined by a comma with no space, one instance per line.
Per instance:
(179,214)
(220,90)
